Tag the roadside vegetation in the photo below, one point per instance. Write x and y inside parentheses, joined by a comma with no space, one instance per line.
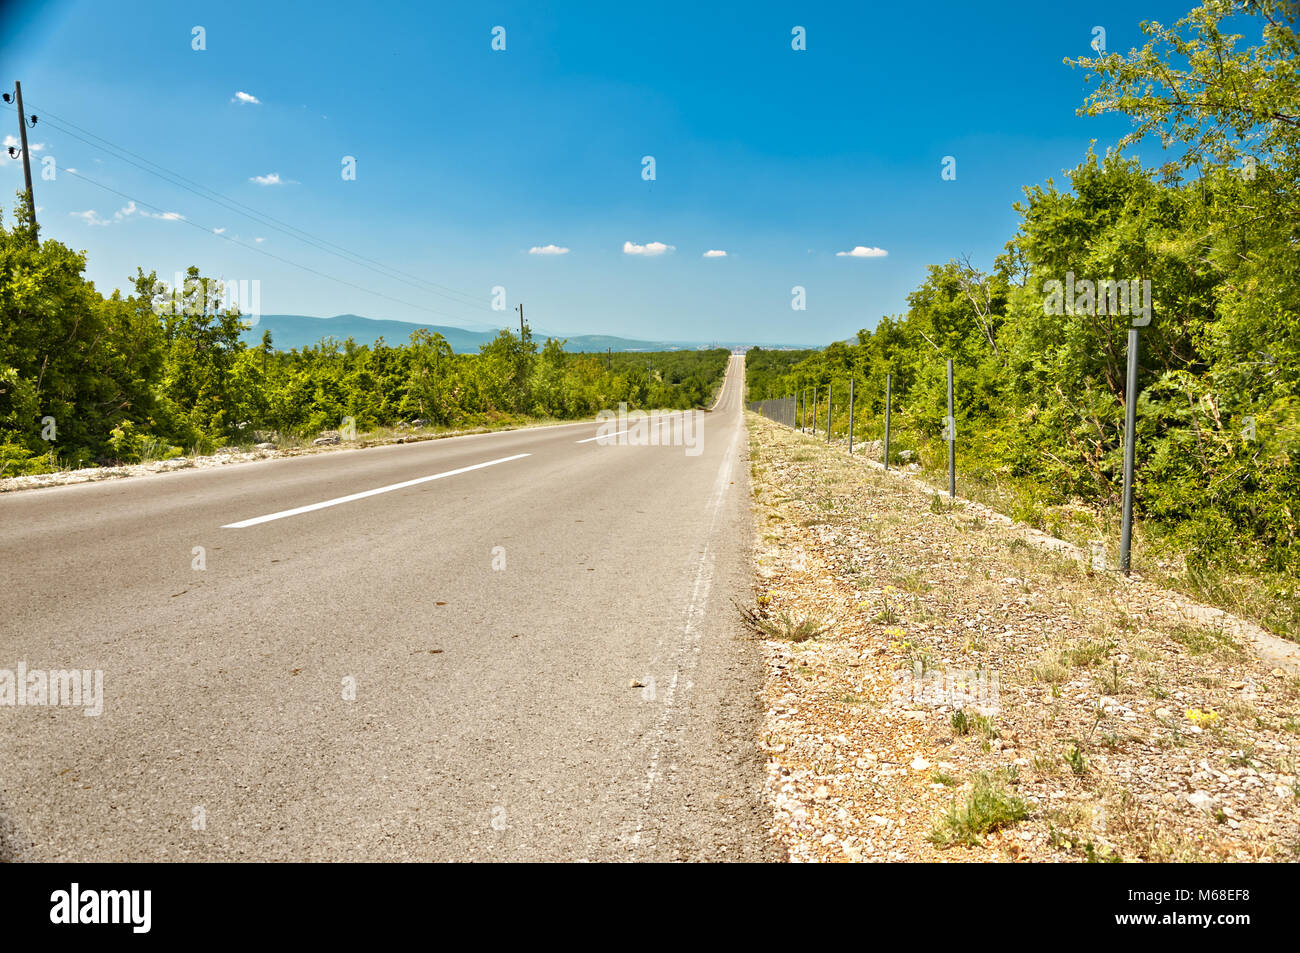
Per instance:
(1040,383)
(89,379)
(977,697)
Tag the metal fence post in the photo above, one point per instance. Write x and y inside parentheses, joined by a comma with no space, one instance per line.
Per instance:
(850,416)
(814,413)
(828,412)
(888,398)
(952,441)
(1130,441)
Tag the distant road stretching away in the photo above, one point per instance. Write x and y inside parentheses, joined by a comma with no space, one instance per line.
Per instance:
(494,715)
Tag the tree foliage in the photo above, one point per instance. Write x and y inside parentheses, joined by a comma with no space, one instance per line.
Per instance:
(85,379)
(1040,394)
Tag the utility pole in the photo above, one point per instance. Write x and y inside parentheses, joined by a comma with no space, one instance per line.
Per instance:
(522,328)
(27,158)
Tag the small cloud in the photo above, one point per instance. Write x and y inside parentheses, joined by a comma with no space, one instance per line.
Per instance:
(715,253)
(130,208)
(16,143)
(218,231)
(861,251)
(271,178)
(548,250)
(73,171)
(91,217)
(650,249)
(259,240)
(246,98)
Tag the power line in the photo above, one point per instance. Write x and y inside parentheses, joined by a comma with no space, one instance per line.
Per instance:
(269,221)
(263,218)
(260,251)
(249,210)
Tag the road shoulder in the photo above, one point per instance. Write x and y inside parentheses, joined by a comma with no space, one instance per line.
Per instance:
(972,698)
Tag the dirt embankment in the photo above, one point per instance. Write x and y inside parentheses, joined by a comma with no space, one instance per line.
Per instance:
(968,695)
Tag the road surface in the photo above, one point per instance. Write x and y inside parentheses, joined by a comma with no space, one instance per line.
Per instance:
(441,670)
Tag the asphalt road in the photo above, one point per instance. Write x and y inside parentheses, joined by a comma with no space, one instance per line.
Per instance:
(493,716)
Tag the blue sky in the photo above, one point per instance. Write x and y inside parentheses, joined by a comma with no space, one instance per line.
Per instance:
(468,157)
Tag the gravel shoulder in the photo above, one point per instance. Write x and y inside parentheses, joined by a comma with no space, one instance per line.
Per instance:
(972,693)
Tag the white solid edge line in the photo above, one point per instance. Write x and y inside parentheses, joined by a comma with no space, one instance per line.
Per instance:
(361,496)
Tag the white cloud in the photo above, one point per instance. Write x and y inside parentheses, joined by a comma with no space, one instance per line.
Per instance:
(218,231)
(91,217)
(548,250)
(861,251)
(248,98)
(715,253)
(271,178)
(14,142)
(650,249)
(259,240)
(17,144)
(131,208)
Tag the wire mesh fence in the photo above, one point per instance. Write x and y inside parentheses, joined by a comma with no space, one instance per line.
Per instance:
(778,409)
(862,419)
(832,412)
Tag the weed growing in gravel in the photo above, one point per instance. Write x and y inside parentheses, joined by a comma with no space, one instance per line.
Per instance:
(785,626)
(960,722)
(988,807)
(1092,852)
(1087,654)
(1077,760)
(887,615)
(1049,669)
(1111,683)
(984,725)
(912,582)
(1202,641)
(1045,765)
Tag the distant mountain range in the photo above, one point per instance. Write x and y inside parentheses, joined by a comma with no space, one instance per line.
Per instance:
(290,331)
